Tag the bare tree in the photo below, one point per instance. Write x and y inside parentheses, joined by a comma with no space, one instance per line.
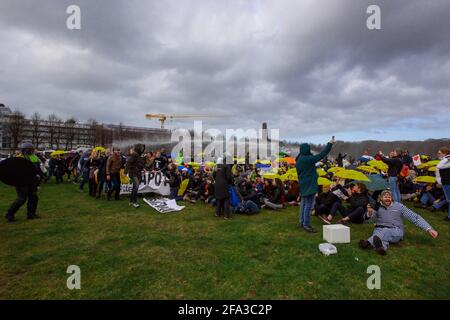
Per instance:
(15,127)
(70,132)
(37,130)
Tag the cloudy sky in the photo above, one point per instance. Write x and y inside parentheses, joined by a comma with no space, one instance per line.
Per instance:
(310,68)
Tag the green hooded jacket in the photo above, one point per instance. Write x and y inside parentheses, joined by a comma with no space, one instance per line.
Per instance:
(306,168)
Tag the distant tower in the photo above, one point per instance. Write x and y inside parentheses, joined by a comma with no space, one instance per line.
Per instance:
(264,131)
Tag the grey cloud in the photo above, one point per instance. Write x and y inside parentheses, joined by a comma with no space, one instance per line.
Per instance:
(306,67)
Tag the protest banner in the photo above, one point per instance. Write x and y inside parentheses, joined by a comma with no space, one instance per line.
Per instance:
(163,205)
(151,182)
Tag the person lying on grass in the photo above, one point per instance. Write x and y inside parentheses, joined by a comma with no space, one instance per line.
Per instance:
(389,223)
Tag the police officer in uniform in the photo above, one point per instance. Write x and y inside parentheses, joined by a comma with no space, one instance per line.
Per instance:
(29,190)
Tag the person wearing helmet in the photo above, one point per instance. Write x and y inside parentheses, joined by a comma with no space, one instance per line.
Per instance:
(29,190)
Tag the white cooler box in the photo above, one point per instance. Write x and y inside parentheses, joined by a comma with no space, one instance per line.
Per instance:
(336,233)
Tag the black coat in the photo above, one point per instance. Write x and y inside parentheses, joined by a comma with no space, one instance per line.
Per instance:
(223,178)
(134,166)
(395,166)
(357,200)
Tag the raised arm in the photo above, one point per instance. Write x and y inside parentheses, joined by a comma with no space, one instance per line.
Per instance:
(416,219)
(322,154)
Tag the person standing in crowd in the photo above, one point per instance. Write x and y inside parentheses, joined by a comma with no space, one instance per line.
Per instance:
(113,166)
(307,176)
(340,159)
(395,166)
(407,159)
(389,226)
(74,165)
(29,191)
(60,168)
(134,166)
(51,167)
(93,164)
(84,169)
(101,175)
(223,178)
(160,162)
(443,175)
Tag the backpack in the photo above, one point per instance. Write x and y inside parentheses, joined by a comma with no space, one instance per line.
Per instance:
(234,198)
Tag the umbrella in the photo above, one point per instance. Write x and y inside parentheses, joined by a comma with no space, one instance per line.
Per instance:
(368,169)
(363,159)
(425,179)
(193,164)
(335,169)
(289,176)
(432,169)
(261,165)
(57,153)
(323,182)
(432,163)
(99,149)
(210,164)
(124,179)
(321,172)
(376,183)
(271,174)
(289,160)
(263,162)
(351,174)
(378,164)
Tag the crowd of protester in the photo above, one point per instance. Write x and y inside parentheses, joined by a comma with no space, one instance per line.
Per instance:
(234,188)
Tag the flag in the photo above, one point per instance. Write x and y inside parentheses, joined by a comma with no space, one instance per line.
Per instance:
(416,160)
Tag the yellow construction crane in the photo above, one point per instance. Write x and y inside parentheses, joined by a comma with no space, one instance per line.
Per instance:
(163,117)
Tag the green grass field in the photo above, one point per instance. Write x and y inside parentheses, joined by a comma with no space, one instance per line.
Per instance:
(127,253)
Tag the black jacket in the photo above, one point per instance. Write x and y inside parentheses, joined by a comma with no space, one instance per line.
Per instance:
(357,200)
(395,166)
(134,166)
(223,178)
(160,164)
(174,179)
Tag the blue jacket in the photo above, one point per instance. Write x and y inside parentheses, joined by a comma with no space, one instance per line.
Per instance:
(306,168)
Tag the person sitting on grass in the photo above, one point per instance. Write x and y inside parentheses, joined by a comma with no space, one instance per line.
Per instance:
(432,197)
(277,199)
(358,200)
(328,203)
(389,226)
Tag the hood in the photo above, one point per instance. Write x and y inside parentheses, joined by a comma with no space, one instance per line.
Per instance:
(305,149)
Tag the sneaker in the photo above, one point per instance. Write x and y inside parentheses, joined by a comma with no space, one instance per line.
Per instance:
(10,218)
(309,229)
(135,205)
(324,219)
(378,244)
(364,244)
(33,216)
